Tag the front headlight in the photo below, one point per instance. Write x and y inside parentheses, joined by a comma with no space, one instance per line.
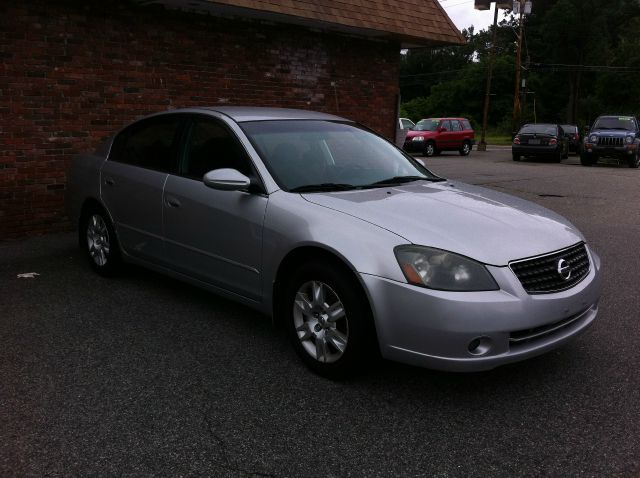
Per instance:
(418,138)
(593,138)
(442,270)
(629,139)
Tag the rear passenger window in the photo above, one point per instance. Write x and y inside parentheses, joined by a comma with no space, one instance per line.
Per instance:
(455,125)
(150,143)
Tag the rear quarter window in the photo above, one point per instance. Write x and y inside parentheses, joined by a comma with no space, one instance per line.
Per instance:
(466,125)
(150,144)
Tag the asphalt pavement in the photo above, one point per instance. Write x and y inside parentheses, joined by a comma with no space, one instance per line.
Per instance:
(142,375)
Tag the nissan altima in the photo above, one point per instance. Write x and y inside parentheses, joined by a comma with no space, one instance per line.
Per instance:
(352,245)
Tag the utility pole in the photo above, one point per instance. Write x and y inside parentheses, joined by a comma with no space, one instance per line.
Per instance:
(482,146)
(524,8)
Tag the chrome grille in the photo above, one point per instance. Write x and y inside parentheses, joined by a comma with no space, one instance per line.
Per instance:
(541,274)
(608,141)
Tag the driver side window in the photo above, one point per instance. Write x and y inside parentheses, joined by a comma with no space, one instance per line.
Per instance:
(210,146)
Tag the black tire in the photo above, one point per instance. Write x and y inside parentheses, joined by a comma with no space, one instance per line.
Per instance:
(588,161)
(466,148)
(429,149)
(313,335)
(515,156)
(98,239)
(634,161)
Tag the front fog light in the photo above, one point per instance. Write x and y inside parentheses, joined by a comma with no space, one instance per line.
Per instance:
(443,270)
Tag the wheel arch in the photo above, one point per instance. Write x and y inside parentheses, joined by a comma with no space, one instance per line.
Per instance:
(307,253)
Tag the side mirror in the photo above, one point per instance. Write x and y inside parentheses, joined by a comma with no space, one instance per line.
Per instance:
(440,129)
(226,180)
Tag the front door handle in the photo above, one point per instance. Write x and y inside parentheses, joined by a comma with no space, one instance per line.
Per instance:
(172,202)
(109,182)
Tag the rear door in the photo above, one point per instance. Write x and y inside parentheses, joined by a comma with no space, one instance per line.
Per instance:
(214,236)
(132,180)
(457,134)
(446,136)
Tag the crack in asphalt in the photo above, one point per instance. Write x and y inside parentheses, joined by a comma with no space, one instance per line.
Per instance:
(226,459)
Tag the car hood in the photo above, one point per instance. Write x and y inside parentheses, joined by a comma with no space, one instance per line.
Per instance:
(486,225)
(616,133)
(412,133)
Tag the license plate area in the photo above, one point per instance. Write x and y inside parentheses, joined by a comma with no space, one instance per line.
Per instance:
(534,141)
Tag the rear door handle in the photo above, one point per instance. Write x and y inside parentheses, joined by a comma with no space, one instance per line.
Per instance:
(172,202)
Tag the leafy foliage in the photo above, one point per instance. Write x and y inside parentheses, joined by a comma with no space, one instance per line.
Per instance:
(580,58)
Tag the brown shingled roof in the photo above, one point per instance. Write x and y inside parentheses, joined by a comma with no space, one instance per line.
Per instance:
(414,22)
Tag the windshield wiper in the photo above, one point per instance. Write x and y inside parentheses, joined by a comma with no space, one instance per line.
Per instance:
(323,187)
(404,179)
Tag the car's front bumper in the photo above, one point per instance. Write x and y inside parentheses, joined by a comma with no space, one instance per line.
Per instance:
(626,151)
(414,146)
(434,329)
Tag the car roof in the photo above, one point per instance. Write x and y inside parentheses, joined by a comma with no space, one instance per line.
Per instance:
(241,114)
(444,118)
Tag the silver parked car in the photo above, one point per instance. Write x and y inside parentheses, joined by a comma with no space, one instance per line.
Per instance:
(330,229)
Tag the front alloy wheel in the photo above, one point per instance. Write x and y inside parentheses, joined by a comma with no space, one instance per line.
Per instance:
(328,319)
(429,149)
(321,322)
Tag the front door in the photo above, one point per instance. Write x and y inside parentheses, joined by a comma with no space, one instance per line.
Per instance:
(214,236)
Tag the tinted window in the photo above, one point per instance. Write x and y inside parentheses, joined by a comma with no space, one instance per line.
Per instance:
(466,124)
(211,146)
(569,128)
(455,126)
(150,143)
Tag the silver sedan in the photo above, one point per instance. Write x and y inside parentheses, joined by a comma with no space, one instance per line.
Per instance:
(355,247)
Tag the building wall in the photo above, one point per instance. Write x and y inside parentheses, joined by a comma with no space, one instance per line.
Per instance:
(71,73)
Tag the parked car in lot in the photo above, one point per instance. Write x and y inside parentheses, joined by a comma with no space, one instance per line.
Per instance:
(354,246)
(572,133)
(432,135)
(405,123)
(540,140)
(612,137)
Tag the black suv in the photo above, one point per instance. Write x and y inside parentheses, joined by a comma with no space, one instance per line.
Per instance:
(613,137)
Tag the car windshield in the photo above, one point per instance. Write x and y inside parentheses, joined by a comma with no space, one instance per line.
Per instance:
(427,125)
(315,155)
(569,128)
(548,129)
(615,122)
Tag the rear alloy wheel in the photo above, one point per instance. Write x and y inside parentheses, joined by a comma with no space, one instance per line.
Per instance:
(429,149)
(100,243)
(328,322)
(466,149)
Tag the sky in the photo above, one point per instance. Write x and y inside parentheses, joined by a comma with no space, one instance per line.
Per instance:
(464,15)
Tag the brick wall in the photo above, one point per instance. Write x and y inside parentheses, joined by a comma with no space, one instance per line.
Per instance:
(71,73)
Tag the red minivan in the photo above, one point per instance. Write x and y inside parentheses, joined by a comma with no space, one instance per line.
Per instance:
(432,135)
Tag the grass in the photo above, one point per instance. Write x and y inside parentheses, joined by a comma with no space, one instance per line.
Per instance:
(498,140)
